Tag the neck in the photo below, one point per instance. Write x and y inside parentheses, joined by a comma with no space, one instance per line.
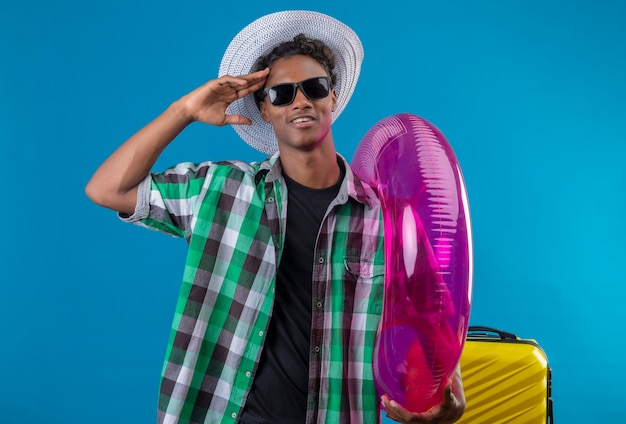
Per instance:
(313,169)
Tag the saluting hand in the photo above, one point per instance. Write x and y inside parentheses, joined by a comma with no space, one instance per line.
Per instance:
(208,102)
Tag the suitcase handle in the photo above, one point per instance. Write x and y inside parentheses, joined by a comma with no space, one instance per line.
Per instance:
(504,335)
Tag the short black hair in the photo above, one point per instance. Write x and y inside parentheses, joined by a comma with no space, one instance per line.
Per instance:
(300,45)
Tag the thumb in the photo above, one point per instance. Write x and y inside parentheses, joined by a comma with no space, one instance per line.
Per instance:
(237,120)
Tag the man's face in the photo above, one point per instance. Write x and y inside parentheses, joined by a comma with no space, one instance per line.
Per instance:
(303,124)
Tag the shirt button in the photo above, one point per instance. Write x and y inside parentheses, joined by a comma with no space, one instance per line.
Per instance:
(260,333)
(319,304)
(233,415)
(248,373)
(317,349)
(320,260)
(270,199)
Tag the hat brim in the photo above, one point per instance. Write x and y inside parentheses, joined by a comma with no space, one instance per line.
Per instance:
(265,33)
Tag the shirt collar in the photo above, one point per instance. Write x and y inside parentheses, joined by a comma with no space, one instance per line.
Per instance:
(351,186)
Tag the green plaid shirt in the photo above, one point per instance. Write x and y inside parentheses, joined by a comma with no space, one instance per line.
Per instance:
(233,216)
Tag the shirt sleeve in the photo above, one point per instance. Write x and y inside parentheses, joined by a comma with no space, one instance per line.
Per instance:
(166,201)
(142,208)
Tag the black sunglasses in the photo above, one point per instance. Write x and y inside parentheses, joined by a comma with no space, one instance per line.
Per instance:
(284,94)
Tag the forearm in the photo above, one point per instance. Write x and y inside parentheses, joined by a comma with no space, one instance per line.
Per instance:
(114,184)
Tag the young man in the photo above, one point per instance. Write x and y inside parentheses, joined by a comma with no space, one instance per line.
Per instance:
(282,291)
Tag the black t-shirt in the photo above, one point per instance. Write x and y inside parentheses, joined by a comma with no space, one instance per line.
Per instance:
(279,391)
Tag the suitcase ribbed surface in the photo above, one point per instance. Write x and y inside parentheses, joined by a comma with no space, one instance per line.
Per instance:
(505,382)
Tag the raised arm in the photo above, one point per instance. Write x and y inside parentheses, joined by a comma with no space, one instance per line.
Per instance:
(114,184)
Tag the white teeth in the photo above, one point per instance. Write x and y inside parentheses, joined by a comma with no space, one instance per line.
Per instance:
(297,120)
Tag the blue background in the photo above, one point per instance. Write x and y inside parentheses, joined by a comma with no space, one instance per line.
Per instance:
(531,95)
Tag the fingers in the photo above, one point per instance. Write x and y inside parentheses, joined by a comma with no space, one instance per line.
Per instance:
(244,84)
(392,409)
(237,120)
(397,413)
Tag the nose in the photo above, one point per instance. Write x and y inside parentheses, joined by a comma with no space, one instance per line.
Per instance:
(300,98)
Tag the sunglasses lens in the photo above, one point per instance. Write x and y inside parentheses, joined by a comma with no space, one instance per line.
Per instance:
(281,94)
(315,88)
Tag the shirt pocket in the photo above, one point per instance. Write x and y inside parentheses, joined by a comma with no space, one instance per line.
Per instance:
(364,269)
(363,285)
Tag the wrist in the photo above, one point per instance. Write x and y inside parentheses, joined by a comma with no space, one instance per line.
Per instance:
(180,111)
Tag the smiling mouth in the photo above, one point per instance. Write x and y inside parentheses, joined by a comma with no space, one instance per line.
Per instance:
(302,119)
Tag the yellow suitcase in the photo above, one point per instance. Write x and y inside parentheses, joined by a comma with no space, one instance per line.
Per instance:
(506,379)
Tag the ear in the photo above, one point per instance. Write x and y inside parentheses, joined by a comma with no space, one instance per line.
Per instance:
(263,110)
(334,94)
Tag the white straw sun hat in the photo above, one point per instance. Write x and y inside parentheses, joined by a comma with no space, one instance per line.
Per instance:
(261,36)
